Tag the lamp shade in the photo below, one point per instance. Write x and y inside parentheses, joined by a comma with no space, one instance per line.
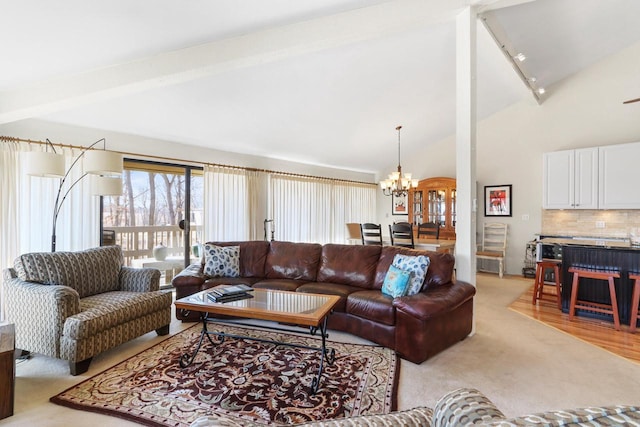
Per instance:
(106,186)
(102,162)
(45,164)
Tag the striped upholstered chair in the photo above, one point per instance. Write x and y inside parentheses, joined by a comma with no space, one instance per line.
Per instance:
(75,305)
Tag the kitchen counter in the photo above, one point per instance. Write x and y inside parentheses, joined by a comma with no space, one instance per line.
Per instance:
(618,255)
(587,241)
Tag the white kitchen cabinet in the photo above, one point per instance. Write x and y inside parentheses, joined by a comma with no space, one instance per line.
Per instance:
(570,179)
(618,182)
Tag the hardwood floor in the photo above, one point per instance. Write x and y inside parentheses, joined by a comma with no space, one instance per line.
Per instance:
(596,332)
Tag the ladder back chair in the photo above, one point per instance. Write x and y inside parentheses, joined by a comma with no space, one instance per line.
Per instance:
(494,245)
(429,230)
(401,234)
(371,234)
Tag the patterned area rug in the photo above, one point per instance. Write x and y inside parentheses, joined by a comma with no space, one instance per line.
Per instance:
(242,380)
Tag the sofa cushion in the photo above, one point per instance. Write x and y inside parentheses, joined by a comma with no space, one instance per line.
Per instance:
(349,264)
(297,261)
(372,305)
(396,282)
(343,291)
(253,255)
(417,267)
(221,261)
(89,272)
(279,284)
(107,310)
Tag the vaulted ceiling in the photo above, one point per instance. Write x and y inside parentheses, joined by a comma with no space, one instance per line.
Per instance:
(321,82)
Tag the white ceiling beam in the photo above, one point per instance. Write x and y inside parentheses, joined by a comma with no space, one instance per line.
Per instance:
(488,5)
(208,59)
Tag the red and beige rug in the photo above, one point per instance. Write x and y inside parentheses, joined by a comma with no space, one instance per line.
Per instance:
(241,379)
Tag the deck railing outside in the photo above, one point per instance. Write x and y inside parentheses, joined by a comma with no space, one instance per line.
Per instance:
(139,241)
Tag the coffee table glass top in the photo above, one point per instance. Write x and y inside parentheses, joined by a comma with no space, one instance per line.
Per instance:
(299,307)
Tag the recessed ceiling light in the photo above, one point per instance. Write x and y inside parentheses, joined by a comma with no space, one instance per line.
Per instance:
(541,90)
(520,57)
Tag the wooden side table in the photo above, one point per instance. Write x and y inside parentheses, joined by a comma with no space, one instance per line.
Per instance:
(7,369)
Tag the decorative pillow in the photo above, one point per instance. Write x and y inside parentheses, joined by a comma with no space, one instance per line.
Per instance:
(417,266)
(395,282)
(221,261)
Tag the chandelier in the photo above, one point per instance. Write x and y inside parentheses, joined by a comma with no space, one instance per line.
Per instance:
(398,184)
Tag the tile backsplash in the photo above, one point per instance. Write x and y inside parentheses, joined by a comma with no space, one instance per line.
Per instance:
(617,223)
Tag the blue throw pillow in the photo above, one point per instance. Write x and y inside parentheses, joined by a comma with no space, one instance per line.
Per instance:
(395,282)
(417,266)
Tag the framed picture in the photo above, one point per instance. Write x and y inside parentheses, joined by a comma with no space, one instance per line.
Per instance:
(399,205)
(497,200)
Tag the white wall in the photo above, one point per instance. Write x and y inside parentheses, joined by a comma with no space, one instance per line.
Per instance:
(58,133)
(584,110)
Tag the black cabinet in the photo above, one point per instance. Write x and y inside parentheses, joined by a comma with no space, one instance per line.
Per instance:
(602,258)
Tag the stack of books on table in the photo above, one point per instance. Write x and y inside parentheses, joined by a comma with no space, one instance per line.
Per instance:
(227,293)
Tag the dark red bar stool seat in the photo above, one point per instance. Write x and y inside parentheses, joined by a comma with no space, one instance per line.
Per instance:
(635,301)
(607,275)
(538,289)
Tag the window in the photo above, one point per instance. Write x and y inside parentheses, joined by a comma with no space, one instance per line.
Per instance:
(156,200)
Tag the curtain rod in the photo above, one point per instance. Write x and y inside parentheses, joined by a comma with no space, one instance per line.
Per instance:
(189,162)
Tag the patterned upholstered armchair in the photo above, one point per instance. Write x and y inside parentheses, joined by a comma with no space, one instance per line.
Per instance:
(75,305)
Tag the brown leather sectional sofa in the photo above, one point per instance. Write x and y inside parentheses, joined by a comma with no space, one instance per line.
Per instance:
(416,327)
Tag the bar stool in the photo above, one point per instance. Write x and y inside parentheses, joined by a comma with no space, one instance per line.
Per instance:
(538,290)
(635,300)
(583,273)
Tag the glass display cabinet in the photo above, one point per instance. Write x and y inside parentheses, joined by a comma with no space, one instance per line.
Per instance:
(434,200)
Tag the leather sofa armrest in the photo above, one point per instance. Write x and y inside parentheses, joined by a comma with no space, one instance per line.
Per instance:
(190,276)
(435,301)
(139,279)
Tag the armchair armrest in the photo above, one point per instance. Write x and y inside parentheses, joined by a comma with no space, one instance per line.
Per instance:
(139,279)
(465,406)
(39,312)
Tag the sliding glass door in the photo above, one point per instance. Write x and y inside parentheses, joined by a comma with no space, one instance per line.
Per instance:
(158,218)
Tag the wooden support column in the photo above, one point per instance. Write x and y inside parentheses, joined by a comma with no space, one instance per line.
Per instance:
(466,145)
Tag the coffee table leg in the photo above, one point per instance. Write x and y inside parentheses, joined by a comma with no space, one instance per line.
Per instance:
(187,359)
(330,356)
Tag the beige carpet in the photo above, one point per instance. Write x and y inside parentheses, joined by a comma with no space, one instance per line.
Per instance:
(521,364)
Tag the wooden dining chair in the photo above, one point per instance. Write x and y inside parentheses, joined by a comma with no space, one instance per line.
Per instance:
(429,230)
(493,246)
(371,234)
(402,234)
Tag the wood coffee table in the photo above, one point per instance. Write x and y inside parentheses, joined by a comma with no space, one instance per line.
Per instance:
(294,308)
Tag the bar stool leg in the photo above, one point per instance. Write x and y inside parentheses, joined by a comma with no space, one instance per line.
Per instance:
(537,284)
(556,272)
(614,304)
(574,295)
(635,301)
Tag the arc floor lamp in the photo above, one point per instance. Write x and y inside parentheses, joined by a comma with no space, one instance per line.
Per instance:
(105,166)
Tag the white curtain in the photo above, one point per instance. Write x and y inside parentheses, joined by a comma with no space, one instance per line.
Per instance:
(232,200)
(26,211)
(317,210)
(78,224)
(353,202)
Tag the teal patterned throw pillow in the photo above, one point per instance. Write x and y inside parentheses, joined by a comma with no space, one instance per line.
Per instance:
(395,282)
(221,261)
(417,266)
